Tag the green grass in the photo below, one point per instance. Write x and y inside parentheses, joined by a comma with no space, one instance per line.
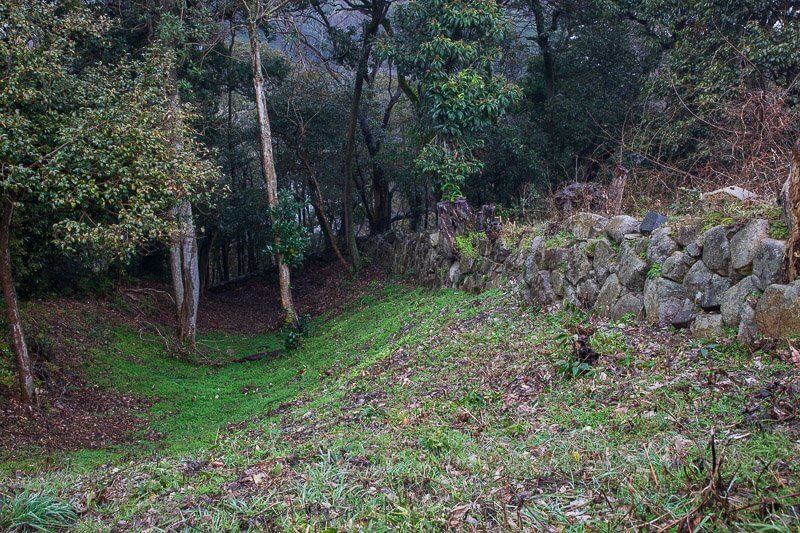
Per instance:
(561,239)
(417,410)
(468,244)
(193,403)
(28,511)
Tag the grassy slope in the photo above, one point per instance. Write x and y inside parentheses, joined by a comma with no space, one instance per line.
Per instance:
(424,410)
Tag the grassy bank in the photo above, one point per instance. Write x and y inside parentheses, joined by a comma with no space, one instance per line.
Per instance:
(424,410)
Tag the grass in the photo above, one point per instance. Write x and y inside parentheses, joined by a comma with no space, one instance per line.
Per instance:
(468,244)
(655,271)
(29,511)
(425,410)
(561,239)
(194,403)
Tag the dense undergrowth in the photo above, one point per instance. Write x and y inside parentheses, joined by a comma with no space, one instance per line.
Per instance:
(434,409)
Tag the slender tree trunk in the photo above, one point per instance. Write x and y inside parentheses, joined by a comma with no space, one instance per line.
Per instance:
(204,261)
(185,274)
(381,219)
(183,248)
(224,261)
(350,145)
(268,169)
(543,40)
(24,370)
(323,220)
(790,198)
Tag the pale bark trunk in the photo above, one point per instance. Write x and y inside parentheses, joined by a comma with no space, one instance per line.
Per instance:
(183,248)
(184,265)
(24,368)
(268,168)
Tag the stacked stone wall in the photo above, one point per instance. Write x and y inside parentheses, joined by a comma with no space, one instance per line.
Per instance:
(718,280)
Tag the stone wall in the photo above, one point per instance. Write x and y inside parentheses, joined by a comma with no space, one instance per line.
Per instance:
(724,279)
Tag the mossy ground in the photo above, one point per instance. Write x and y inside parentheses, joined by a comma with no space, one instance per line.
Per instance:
(426,410)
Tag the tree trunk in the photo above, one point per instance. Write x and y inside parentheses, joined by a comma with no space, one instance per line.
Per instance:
(183,248)
(543,41)
(350,145)
(225,263)
(24,370)
(790,198)
(268,169)
(204,261)
(323,220)
(381,219)
(185,274)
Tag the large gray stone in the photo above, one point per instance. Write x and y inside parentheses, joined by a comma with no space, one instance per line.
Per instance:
(696,280)
(587,293)
(665,302)
(676,266)
(571,296)
(554,258)
(558,282)
(748,330)
(768,265)
(628,304)
(694,250)
(605,258)
(632,269)
(735,299)
(531,269)
(745,243)
(661,246)
(707,326)
(778,311)
(454,274)
(542,292)
(716,250)
(578,265)
(609,294)
(588,225)
(621,225)
(686,231)
(704,287)
(536,244)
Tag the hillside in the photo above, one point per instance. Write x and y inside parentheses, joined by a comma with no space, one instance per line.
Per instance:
(418,410)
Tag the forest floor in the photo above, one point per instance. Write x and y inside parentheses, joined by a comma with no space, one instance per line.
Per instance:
(413,409)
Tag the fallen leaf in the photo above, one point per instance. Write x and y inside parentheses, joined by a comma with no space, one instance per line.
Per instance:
(457,515)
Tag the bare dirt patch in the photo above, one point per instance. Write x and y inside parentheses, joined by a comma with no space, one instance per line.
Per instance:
(79,418)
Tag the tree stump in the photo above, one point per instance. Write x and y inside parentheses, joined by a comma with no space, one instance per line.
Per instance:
(616,191)
(455,218)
